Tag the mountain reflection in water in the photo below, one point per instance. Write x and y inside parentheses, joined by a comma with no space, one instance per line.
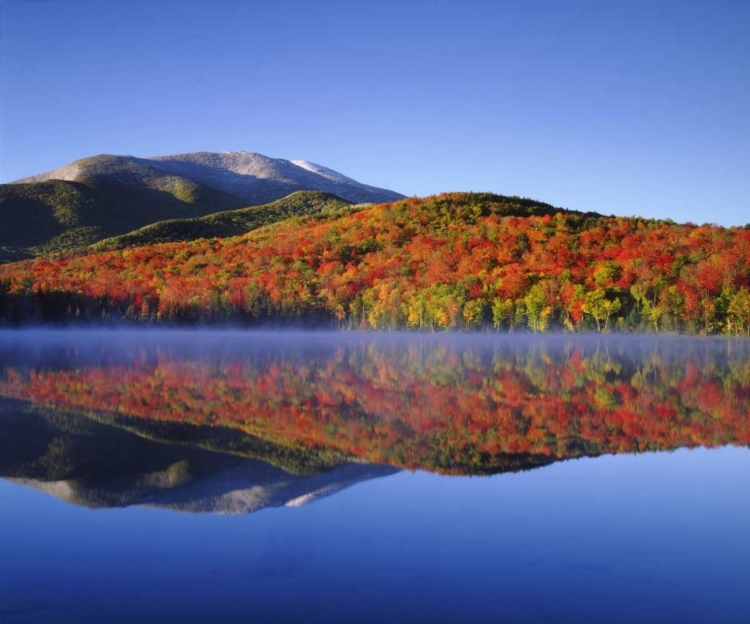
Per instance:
(96,465)
(235,422)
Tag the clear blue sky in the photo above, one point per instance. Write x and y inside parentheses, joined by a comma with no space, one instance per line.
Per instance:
(621,107)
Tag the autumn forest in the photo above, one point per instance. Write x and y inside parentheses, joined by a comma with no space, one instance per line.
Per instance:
(455,261)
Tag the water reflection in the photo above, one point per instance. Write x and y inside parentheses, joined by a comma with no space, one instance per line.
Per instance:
(237,422)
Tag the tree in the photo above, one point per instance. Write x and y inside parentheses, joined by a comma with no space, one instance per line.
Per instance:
(538,308)
(502,313)
(600,308)
(739,312)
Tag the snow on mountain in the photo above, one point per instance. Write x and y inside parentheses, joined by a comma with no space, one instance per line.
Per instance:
(255,178)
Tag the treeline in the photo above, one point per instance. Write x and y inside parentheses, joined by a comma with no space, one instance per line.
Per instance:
(438,408)
(454,261)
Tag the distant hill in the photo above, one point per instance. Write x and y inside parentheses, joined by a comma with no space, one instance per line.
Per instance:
(228,223)
(107,195)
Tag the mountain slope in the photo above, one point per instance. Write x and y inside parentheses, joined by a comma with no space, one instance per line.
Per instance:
(227,223)
(106,195)
(52,215)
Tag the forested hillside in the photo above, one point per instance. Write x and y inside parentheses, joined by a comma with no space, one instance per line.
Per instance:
(454,261)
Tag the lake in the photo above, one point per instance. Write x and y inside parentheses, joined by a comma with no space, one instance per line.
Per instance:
(227,476)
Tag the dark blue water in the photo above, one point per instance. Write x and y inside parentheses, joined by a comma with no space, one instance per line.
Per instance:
(654,538)
(648,537)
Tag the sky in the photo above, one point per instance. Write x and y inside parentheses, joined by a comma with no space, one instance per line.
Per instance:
(621,107)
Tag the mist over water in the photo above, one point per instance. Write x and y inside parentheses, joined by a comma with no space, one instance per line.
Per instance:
(613,475)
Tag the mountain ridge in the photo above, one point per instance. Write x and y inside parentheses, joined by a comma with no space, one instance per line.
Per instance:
(251,176)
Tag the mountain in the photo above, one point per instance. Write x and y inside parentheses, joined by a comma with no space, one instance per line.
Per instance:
(254,178)
(108,195)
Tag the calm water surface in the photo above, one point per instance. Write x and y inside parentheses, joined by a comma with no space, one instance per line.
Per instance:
(282,477)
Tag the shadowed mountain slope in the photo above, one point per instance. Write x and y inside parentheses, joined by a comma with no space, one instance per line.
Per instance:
(59,215)
(228,223)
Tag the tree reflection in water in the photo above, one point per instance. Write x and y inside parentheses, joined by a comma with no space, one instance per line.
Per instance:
(449,404)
